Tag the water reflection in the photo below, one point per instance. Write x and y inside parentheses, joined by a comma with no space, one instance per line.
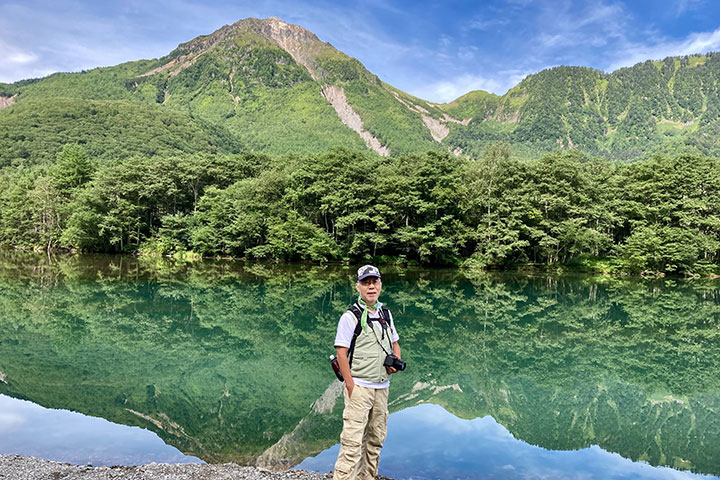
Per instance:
(63,436)
(483,449)
(227,361)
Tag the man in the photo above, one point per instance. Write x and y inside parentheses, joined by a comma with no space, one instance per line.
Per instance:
(366,378)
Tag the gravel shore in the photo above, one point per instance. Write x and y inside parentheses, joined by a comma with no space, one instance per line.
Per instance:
(17,467)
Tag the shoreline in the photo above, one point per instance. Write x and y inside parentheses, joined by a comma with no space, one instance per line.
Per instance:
(19,467)
(598,267)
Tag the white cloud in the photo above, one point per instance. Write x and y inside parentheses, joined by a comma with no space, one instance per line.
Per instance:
(486,24)
(447,90)
(562,27)
(21,57)
(694,43)
(10,422)
(683,6)
(16,55)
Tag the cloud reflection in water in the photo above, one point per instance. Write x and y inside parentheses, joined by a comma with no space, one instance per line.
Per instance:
(64,436)
(427,442)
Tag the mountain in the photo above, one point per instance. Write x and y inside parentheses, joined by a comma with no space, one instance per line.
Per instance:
(269,86)
(274,86)
(653,106)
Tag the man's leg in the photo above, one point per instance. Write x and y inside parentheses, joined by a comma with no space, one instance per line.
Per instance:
(355,417)
(374,435)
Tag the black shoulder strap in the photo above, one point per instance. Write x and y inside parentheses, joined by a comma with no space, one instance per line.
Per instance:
(358,329)
(385,314)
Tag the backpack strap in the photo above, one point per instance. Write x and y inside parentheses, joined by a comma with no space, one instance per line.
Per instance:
(357,311)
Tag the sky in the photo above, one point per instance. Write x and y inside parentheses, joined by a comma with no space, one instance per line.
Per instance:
(434,50)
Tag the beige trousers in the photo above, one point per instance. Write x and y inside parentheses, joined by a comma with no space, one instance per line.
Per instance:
(364,430)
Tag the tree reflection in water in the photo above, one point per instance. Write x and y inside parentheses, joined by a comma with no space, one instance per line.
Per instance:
(227,360)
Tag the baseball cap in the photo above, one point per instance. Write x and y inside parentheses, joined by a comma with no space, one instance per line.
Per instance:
(367,271)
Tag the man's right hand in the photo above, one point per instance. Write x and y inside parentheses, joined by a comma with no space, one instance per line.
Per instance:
(350,386)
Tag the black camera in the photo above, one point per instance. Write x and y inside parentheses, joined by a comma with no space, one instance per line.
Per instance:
(394,362)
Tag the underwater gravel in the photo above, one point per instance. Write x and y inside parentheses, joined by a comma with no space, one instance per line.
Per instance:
(18,467)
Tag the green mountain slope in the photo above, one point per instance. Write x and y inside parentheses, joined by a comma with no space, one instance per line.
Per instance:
(110,130)
(272,87)
(652,106)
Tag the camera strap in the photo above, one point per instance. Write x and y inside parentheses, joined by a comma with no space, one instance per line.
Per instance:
(379,342)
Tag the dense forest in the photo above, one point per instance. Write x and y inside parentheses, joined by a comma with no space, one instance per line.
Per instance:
(566,208)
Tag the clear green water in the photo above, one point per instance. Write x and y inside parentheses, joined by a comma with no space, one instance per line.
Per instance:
(228,361)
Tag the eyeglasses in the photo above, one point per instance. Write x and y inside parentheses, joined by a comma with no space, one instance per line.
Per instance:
(370,281)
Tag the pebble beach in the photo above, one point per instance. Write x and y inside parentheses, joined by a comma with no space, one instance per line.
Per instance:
(18,467)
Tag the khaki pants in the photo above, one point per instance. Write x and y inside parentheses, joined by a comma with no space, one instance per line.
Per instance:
(364,430)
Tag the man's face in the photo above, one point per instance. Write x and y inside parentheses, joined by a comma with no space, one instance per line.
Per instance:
(369,289)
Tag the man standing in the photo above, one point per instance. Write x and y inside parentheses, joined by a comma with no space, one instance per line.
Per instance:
(365,336)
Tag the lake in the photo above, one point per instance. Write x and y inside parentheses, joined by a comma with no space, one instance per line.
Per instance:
(117,360)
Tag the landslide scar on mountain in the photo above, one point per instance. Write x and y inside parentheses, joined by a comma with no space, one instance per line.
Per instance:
(295,41)
(438,129)
(336,96)
(7,101)
(294,446)
(182,62)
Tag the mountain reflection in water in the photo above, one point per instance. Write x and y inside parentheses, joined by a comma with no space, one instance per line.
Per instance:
(482,448)
(228,361)
(31,430)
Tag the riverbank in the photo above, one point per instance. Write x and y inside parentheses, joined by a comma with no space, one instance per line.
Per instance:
(18,467)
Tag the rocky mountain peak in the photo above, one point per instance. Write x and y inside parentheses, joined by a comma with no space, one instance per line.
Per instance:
(301,44)
(297,41)
(281,31)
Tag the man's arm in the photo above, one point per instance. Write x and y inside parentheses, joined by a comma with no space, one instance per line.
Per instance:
(345,368)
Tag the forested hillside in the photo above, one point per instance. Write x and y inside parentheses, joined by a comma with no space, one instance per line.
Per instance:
(266,85)
(659,107)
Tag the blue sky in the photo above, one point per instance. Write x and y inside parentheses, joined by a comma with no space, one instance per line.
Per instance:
(435,50)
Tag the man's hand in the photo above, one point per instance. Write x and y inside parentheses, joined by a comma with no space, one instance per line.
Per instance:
(390,370)
(350,386)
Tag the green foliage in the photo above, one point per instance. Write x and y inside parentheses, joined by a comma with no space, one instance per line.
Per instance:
(239,88)
(73,168)
(34,132)
(655,216)
(476,104)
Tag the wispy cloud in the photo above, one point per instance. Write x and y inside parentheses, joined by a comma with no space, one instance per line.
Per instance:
(487,23)
(684,6)
(447,90)
(595,25)
(15,55)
